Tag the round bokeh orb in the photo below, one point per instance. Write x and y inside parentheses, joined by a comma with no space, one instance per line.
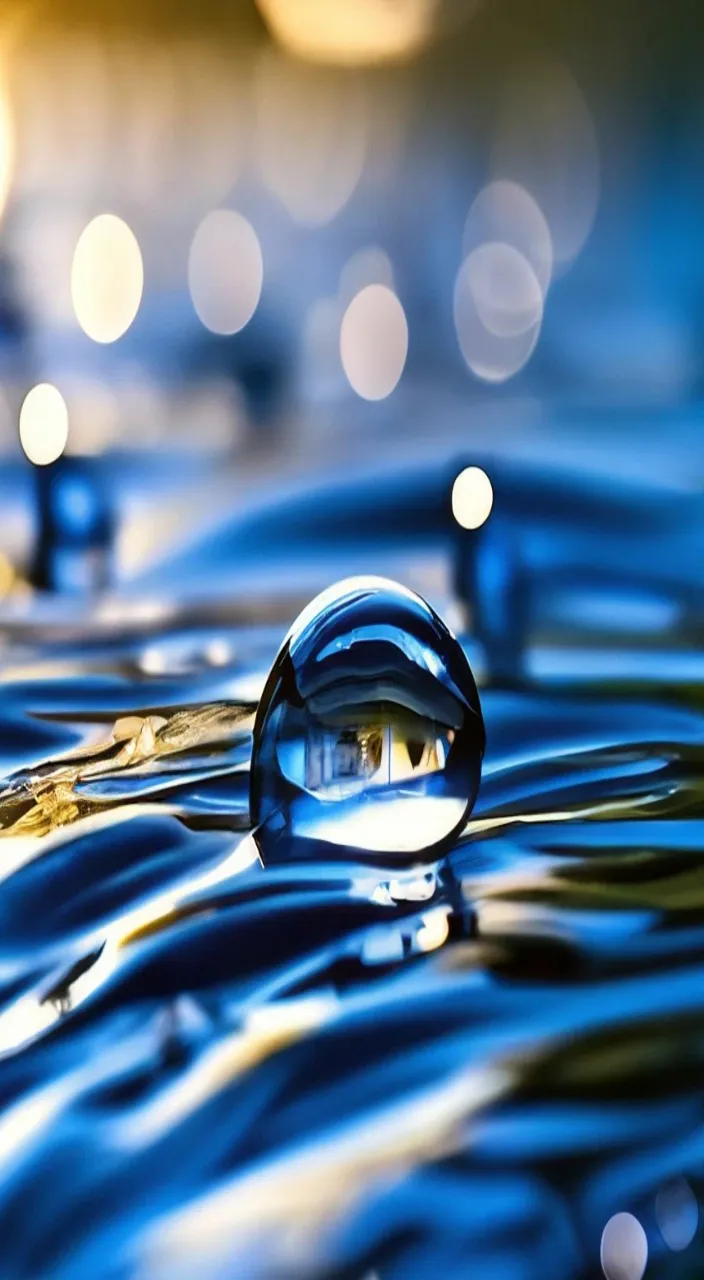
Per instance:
(369,736)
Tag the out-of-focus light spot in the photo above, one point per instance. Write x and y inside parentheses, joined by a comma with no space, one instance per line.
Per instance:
(153,661)
(351,32)
(505,290)
(219,652)
(434,930)
(472,498)
(7,147)
(505,213)
(107,278)
(374,342)
(677,1214)
(546,141)
(225,271)
(43,424)
(498,311)
(367,266)
(624,1248)
(7,574)
(311,137)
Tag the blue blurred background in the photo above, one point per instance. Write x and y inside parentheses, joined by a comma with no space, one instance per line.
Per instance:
(252,249)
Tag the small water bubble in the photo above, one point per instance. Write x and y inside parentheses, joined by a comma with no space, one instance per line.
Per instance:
(369,736)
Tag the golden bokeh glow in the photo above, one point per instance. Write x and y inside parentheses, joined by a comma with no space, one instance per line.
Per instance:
(472,498)
(225,271)
(350,32)
(43,424)
(7,147)
(107,278)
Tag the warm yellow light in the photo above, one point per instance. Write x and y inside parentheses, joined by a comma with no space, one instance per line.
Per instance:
(472,498)
(43,424)
(107,278)
(374,342)
(7,574)
(433,931)
(7,147)
(225,271)
(350,32)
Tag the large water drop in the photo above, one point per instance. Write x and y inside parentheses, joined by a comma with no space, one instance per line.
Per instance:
(369,737)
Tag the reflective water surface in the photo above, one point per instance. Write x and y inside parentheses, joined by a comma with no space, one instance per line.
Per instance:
(212,1067)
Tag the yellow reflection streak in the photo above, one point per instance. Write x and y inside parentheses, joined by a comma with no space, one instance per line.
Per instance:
(268,1029)
(34,1012)
(303,1189)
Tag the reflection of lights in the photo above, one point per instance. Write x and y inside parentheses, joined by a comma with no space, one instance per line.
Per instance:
(225,271)
(311,138)
(43,424)
(624,1248)
(505,212)
(7,574)
(547,141)
(498,311)
(106,278)
(434,930)
(677,1214)
(367,266)
(374,342)
(218,652)
(472,498)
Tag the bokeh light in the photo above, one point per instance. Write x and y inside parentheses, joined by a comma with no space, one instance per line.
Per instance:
(546,141)
(506,213)
(677,1214)
(624,1248)
(349,32)
(472,498)
(374,342)
(225,271)
(434,930)
(498,311)
(7,575)
(7,147)
(43,424)
(107,278)
(311,137)
(505,290)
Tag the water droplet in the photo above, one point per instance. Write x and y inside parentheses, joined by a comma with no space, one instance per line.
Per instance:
(369,736)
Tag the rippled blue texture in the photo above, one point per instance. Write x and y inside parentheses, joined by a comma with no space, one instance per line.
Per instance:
(326,1067)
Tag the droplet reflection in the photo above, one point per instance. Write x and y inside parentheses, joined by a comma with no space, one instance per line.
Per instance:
(369,735)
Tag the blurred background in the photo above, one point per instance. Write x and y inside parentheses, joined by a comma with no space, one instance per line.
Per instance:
(291,290)
(248,242)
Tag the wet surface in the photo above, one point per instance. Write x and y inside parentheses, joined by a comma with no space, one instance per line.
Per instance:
(329,1069)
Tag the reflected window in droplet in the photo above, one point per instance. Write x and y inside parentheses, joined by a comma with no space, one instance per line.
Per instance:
(369,734)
